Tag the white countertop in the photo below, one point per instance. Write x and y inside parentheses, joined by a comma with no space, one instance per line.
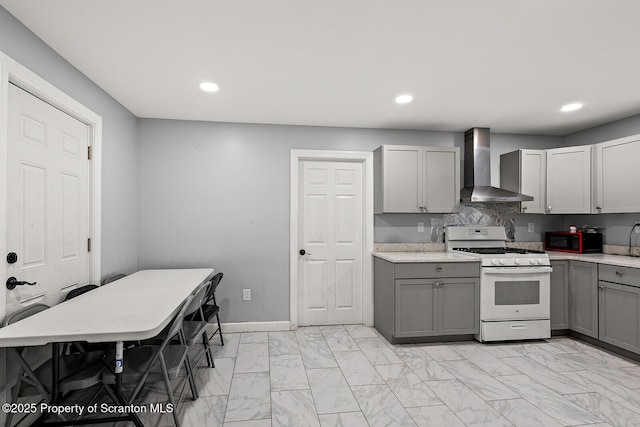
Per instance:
(619,260)
(400,257)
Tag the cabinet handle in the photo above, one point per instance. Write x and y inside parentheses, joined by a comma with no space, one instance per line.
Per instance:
(598,208)
(601,287)
(549,209)
(524,208)
(438,268)
(618,273)
(437,284)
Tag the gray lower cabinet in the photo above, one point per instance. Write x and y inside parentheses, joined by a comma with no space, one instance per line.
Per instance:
(415,308)
(619,315)
(559,295)
(413,300)
(427,307)
(583,298)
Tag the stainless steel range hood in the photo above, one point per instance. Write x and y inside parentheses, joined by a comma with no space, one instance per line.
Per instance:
(477,172)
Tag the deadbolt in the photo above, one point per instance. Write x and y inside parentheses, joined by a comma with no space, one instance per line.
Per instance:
(12,257)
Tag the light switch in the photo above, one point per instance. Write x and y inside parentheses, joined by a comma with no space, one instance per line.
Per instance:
(246,295)
(421,227)
(531,227)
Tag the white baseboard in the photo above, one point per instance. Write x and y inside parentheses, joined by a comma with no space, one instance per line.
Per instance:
(230,328)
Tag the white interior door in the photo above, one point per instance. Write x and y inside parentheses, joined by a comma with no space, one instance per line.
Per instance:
(331,227)
(48,200)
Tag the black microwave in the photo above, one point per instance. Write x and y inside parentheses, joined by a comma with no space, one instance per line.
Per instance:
(579,243)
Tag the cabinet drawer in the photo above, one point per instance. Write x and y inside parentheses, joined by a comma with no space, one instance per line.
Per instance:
(624,275)
(420,270)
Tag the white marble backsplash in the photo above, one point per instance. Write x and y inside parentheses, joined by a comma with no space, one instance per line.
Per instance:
(408,247)
(532,246)
(620,250)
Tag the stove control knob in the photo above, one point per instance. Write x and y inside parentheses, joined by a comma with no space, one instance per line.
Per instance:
(502,262)
(516,261)
(494,261)
(540,261)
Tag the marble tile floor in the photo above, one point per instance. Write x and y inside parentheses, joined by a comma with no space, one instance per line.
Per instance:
(351,376)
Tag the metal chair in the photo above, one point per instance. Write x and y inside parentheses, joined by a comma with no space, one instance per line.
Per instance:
(210,307)
(113,278)
(75,371)
(157,363)
(193,330)
(79,291)
(25,373)
(74,293)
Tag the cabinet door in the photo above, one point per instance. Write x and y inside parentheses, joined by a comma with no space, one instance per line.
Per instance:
(569,180)
(415,309)
(459,302)
(616,170)
(441,179)
(560,295)
(583,300)
(619,315)
(402,179)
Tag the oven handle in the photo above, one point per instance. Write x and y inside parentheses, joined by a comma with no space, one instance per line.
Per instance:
(516,270)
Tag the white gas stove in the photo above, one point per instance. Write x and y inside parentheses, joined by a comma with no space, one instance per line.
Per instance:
(514,283)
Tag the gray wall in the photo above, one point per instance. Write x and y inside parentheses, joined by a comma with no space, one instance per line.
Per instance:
(120,154)
(217,194)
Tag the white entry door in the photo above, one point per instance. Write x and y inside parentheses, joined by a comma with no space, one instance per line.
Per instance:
(47,201)
(330,261)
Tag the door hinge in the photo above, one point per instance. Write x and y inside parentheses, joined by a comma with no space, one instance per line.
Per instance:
(89,244)
(89,152)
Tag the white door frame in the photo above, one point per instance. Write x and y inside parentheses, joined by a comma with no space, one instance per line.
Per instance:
(12,71)
(366,158)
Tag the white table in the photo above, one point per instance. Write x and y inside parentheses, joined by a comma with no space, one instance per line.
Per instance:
(133,308)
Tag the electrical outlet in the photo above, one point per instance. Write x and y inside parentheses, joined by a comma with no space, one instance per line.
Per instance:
(421,227)
(246,295)
(530,227)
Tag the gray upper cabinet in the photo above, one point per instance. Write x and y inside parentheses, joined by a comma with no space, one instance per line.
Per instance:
(412,179)
(569,180)
(616,168)
(559,295)
(525,171)
(583,298)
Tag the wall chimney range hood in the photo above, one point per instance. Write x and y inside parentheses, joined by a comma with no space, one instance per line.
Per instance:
(477,172)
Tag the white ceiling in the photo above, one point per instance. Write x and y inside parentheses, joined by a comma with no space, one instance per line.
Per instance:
(505,64)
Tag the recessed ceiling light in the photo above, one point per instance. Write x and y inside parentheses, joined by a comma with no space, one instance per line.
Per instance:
(209,87)
(404,99)
(571,107)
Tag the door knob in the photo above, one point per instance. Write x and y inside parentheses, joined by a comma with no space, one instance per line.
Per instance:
(12,282)
(303,252)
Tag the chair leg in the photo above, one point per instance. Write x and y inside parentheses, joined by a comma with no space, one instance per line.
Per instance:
(14,397)
(167,385)
(219,329)
(207,350)
(191,379)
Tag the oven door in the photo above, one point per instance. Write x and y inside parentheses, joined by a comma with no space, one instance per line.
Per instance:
(514,293)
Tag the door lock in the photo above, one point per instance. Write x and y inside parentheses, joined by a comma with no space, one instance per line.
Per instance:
(12,282)
(12,257)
